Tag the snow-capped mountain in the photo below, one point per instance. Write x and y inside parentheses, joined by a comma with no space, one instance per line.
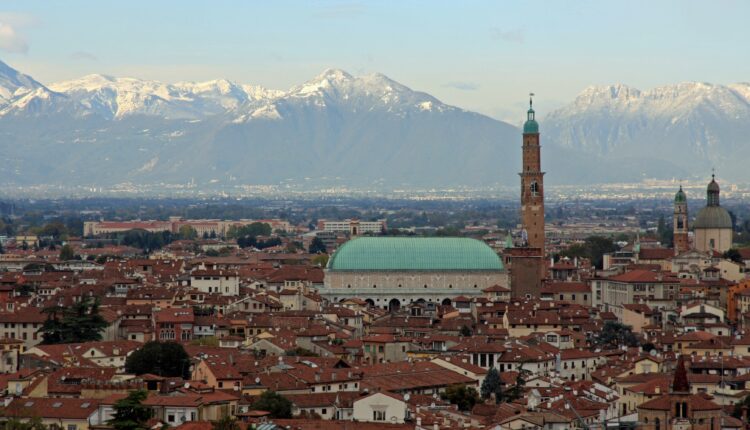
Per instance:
(692,125)
(355,130)
(337,128)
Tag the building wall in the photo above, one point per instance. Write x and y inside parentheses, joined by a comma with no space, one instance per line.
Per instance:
(393,410)
(407,287)
(722,239)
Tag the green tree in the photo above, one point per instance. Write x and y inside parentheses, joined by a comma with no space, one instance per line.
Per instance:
(734,255)
(593,248)
(744,403)
(615,334)
(187,232)
(225,423)
(278,405)
(73,324)
(462,396)
(33,423)
(320,260)
(465,331)
(491,384)
(212,253)
(130,413)
(67,253)
(317,246)
(299,352)
(160,358)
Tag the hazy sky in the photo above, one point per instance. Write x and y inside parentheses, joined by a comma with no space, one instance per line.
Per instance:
(483,56)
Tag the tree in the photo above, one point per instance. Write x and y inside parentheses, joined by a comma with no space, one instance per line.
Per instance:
(744,403)
(226,423)
(317,246)
(67,253)
(593,248)
(734,255)
(320,260)
(462,396)
(615,334)
(33,423)
(130,413)
(278,405)
(465,331)
(73,324)
(299,352)
(212,253)
(160,358)
(491,384)
(187,232)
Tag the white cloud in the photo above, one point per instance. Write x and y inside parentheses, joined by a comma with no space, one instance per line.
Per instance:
(462,85)
(11,40)
(515,36)
(83,55)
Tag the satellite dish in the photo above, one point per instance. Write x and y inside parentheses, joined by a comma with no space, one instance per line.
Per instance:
(187,385)
(407,397)
(653,352)
(257,380)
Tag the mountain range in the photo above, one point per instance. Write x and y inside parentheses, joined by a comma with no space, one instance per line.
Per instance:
(357,131)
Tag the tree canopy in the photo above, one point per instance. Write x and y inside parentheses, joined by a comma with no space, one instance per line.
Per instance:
(317,246)
(130,413)
(72,324)
(278,405)
(615,334)
(462,396)
(160,358)
(593,248)
(67,253)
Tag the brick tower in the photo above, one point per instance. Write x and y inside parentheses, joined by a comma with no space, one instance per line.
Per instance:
(527,263)
(532,184)
(680,223)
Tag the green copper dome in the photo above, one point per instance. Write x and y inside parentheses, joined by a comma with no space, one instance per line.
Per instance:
(680,197)
(414,254)
(530,126)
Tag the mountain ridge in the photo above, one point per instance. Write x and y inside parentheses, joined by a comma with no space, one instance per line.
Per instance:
(336,128)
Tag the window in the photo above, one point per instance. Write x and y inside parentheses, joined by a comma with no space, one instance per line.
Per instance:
(534,188)
(378,415)
(72,427)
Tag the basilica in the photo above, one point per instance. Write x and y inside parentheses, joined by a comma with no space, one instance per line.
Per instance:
(712,227)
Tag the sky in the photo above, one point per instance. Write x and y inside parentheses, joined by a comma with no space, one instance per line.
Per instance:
(484,56)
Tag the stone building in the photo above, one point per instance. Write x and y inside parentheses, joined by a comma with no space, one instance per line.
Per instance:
(390,272)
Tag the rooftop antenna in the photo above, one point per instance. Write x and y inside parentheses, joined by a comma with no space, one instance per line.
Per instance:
(531,101)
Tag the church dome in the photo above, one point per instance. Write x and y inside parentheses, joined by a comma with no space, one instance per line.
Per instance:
(713,217)
(414,254)
(680,197)
(713,186)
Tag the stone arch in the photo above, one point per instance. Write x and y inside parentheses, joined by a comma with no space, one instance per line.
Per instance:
(394,305)
(446,302)
(370,302)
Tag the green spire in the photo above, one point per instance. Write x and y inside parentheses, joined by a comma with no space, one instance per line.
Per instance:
(680,197)
(530,126)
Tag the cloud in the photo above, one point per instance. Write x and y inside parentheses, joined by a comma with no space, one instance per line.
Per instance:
(513,36)
(83,55)
(463,86)
(11,40)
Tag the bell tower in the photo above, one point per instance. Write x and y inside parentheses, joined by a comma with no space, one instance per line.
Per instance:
(680,222)
(527,264)
(532,183)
